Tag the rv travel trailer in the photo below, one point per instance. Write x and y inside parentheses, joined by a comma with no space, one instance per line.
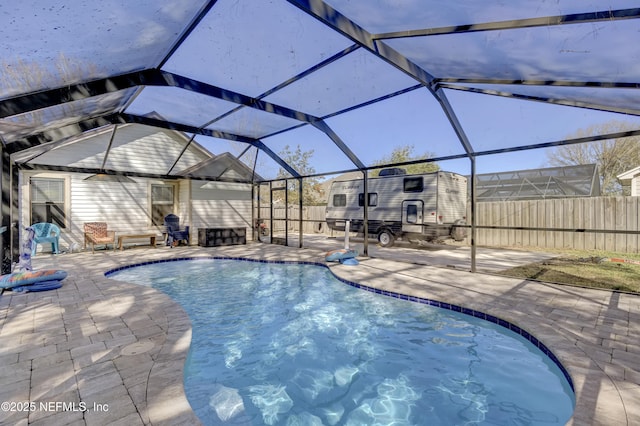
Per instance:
(426,206)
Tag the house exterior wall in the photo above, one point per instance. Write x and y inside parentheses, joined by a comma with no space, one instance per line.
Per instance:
(126,207)
(220,205)
(632,178)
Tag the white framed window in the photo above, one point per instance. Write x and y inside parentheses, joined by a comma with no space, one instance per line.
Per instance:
(48,200)
(162,202)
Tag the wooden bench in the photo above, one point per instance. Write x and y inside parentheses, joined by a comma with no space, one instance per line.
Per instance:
(123,238)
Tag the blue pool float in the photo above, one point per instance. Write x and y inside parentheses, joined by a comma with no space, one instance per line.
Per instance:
(25,278)
(340,255)
(39,286)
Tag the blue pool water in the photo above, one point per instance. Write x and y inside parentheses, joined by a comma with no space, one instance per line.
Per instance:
(289,344)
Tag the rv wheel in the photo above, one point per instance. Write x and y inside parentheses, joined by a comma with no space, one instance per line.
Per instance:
(385,237)
(318,227)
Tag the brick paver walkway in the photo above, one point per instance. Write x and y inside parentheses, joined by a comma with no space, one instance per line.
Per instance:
(99,351)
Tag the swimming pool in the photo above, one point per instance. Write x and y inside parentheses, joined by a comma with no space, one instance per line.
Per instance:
(288,343)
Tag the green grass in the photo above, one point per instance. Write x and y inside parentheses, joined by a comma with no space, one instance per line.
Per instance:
(584,268)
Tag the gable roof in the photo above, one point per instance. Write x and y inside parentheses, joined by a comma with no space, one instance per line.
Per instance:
(629,174)
(221,167)
(119,148)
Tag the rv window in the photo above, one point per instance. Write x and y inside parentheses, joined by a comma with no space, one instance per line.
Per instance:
(373,199)
(413,184)
(339,200)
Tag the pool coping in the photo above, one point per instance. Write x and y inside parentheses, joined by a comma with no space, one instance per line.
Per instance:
(597,349)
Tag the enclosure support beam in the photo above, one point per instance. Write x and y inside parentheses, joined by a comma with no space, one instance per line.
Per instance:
(5,236)
(323,127)
(286,212)
(453,120)
(548,100)
(255,231)
(94,170)
(544,21)
(271,211)
(9,238)
(184,149)
(15,213)
(108,150)
(190,29)
(300,212)
(472,212)
(365,188)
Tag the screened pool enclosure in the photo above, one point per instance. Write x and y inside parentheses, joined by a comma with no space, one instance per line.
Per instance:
(546,183)
(472,83)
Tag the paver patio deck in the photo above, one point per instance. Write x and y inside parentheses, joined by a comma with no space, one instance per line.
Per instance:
(118,349)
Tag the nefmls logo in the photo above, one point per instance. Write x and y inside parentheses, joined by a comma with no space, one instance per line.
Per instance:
(63,406)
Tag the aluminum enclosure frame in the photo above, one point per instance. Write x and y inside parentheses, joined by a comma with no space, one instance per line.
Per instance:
(41,137)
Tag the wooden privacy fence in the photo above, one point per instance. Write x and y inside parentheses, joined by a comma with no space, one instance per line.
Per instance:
(313,218)
(593,223)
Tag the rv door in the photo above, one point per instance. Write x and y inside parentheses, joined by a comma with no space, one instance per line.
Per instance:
(412,216)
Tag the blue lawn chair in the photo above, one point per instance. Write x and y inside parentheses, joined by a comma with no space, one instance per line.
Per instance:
(174,232)
(45,233)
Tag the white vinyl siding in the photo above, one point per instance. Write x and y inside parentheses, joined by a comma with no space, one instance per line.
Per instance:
(123,206)
(221,204)
(126,207)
